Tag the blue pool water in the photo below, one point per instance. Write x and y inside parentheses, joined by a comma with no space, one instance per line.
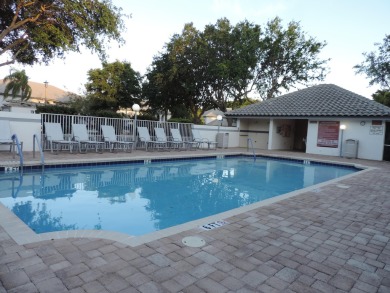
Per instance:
(138,199)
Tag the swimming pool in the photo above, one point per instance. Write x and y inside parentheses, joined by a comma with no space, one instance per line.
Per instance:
(137,199)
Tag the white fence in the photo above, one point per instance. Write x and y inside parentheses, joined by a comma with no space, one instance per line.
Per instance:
(25,125)
(124,128)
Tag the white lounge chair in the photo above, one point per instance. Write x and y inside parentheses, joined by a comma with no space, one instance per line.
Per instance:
(144,137)
(161,137)
(6,137)
(201,140)
(176,137)
(110,137)
(81,136)
(5,134)
(55,136)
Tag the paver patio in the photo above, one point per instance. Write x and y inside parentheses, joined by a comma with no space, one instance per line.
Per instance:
(332,239)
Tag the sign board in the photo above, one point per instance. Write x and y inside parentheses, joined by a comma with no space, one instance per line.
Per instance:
(328,134)
(376,130)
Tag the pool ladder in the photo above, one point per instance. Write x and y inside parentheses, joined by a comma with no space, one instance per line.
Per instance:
(37,141)
(250,142)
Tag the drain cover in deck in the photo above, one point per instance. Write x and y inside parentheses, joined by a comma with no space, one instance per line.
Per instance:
(193,241)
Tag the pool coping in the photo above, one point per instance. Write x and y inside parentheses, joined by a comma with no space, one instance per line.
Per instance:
(22,234)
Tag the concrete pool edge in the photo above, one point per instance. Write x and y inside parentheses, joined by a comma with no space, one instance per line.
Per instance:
(22,234)
(36,166)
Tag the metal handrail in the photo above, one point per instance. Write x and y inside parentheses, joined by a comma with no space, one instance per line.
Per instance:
(36,139)
(249,140)
(17,143)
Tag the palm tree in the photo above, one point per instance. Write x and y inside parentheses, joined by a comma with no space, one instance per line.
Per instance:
(17,85)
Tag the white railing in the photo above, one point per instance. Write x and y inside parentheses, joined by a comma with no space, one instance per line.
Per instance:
(37,140)
(20,151)
(250,142)
(124,127)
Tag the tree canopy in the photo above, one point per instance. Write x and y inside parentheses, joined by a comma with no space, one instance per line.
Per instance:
(114,86)
(377,65)
(35,31)
(231,54)
(382,96)
(201,70)
(17,84)
(288,58)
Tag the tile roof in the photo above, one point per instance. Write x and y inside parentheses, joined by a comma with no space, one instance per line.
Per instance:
(53,93)
(326,100)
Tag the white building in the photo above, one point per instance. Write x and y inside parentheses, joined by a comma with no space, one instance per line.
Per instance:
(210,117)
(41,93)
(312,121)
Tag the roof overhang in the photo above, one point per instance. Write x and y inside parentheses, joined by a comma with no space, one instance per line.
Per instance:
(312,117)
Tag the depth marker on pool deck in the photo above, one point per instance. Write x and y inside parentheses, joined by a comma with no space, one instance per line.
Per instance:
(213,225)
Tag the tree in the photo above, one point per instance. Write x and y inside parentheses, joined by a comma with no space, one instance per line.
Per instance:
(377,65)
(35,31)
(201,70)
(231,54)
(382,96)
(163,91)
(171,80)
(241,103)
(288,58)
(17,84)
(187,75)
(115,85)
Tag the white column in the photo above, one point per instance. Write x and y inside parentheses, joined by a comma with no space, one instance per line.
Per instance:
(270,133)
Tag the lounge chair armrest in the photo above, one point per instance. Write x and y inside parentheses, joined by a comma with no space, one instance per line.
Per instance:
(158,139)
(203,139)
(107,138)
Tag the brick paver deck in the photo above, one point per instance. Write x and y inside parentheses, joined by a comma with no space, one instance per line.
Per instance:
(332,239)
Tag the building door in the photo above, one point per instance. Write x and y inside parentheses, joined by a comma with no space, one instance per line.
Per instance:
(300,135)
(386,149)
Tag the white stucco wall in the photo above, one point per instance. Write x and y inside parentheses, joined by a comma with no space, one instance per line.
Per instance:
(257,130)
(281,134)
(24,125)
(210,133)
(370,144)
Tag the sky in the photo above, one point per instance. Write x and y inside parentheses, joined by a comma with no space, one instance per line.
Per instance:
(349,27)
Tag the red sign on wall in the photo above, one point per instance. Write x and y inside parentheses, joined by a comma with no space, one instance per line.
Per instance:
(328,134)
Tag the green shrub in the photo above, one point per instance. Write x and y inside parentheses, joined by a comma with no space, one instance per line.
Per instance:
(106,113)
(180,120)
(147,117)
(56,109)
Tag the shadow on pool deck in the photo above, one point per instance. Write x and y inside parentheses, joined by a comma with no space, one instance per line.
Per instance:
(333,239)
